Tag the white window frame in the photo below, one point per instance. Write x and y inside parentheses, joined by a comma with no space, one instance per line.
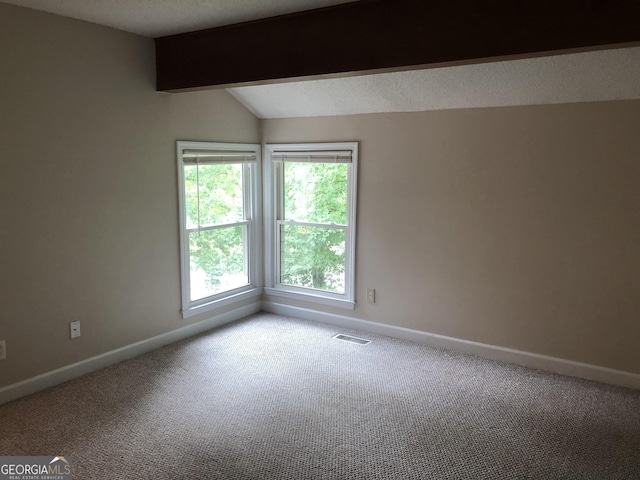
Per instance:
(272,202)
(252,191)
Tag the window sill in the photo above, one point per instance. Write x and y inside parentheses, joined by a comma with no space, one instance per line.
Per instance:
(222,302)
(310,297)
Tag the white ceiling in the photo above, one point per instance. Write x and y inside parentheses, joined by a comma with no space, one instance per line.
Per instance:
(158,18)
(584,77)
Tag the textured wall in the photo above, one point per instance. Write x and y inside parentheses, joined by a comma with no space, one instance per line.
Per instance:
(517,227)
(88,188)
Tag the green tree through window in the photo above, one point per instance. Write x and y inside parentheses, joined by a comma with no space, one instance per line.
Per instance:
(313,251)
(221,231)
(214,197)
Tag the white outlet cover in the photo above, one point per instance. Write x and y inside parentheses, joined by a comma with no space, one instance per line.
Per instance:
(371,295)
(75,329)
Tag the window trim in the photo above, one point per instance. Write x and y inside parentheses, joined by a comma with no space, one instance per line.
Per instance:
(272,201)
(253,219)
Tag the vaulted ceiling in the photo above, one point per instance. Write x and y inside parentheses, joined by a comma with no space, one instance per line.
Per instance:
(580,77)
(158,18)
(606,74)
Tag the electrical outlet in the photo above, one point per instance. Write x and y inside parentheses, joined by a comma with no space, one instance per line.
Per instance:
(75,329)
(371,295)
(3,350)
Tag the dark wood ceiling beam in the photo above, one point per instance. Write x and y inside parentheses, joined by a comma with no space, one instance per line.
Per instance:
(375,35)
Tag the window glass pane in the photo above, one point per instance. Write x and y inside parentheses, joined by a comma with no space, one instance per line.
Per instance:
(220,191)
(217,261)
(313,257)
(315,192)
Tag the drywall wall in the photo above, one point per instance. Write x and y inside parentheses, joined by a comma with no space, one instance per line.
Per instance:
(88,188)
(517,227)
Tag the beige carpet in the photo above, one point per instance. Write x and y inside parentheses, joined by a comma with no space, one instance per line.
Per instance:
(271,397)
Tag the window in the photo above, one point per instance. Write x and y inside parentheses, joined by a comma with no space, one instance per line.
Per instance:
(220,223)
(310,210)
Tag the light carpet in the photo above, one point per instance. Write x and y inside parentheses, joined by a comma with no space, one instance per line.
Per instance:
(271,397)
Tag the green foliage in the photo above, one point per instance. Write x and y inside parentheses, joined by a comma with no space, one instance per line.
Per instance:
(314,256)
(315,192)
(219,188)
(311,256)
(219,253)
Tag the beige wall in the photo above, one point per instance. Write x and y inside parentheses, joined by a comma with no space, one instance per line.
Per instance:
(517,227)
(88,188)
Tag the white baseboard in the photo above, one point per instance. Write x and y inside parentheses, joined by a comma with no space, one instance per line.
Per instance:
(533,360)
(69,372)
(493,352)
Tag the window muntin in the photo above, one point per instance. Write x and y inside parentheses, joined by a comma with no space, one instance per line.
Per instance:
(220,222)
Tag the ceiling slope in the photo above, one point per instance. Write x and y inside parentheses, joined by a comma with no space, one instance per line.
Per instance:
(583,77)
(593,76)
(158,18)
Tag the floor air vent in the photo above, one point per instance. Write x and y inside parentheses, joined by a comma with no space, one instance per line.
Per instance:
(347,338)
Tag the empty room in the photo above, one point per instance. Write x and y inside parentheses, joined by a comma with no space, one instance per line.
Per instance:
(319,239)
